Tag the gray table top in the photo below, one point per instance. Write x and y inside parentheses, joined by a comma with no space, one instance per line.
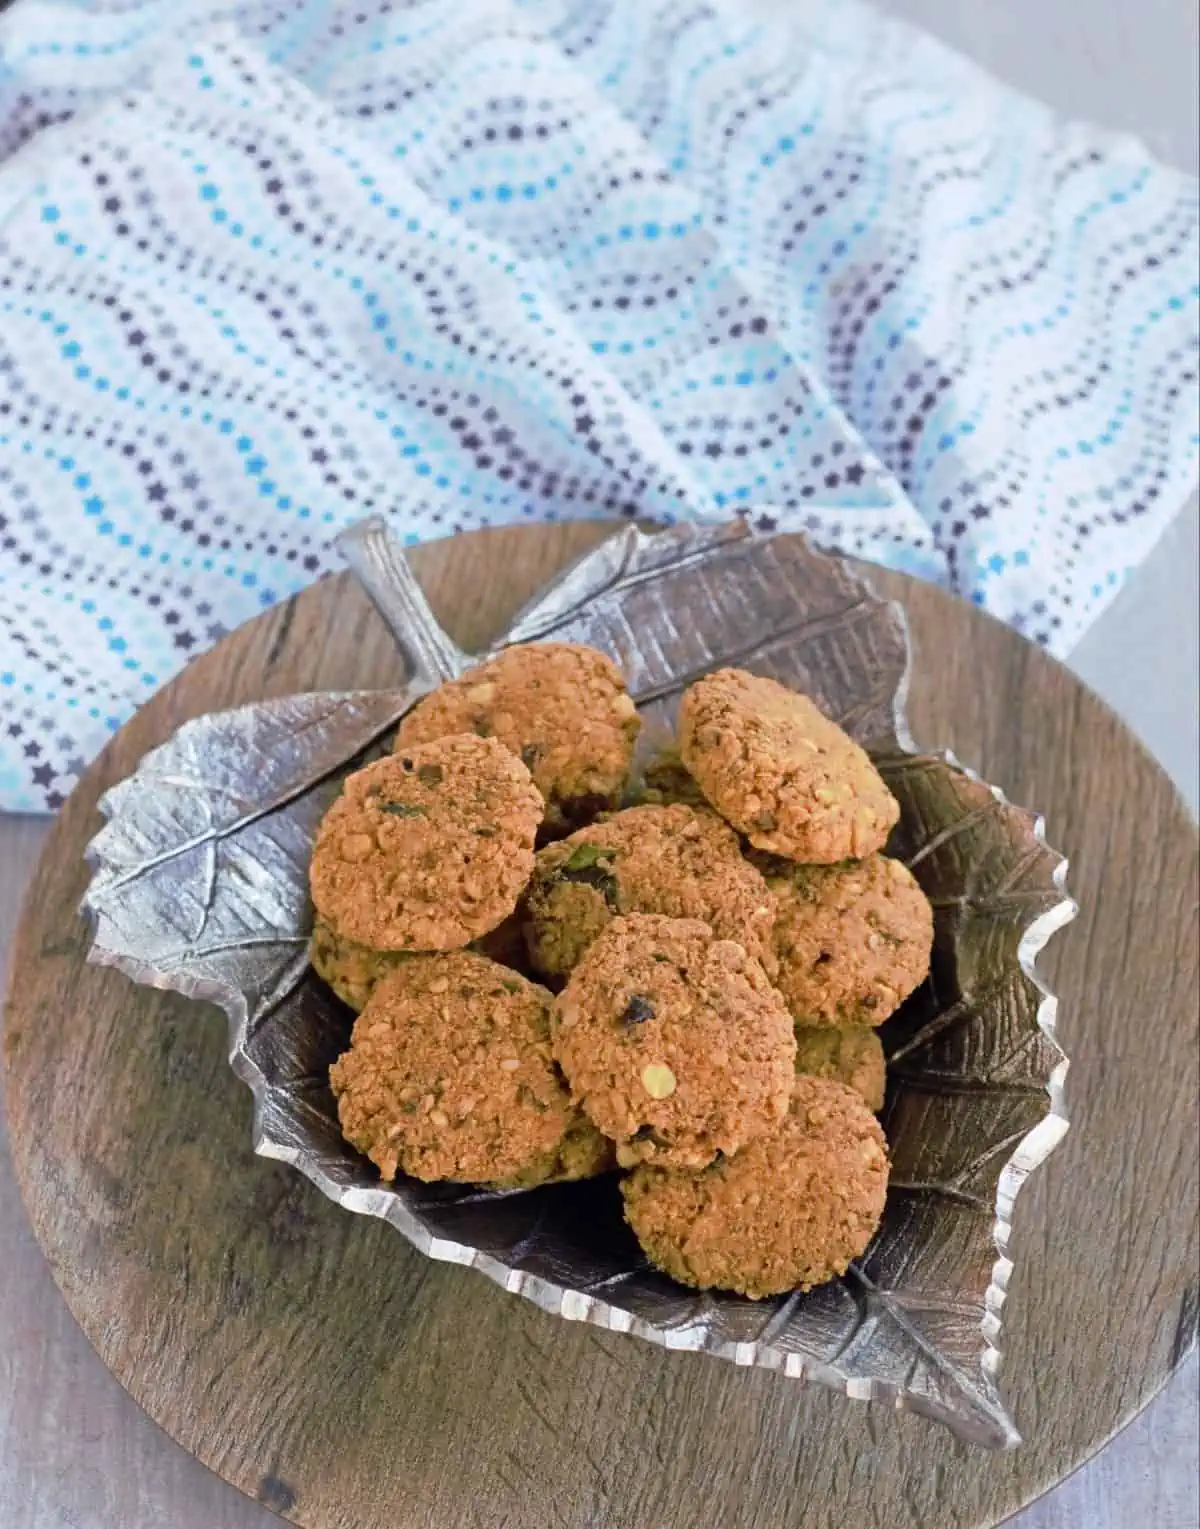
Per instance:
(77,1453)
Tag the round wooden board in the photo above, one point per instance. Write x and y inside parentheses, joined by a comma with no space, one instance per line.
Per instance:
(317,1362)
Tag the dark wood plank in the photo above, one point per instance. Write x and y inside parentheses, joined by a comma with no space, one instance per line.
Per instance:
(317,1362)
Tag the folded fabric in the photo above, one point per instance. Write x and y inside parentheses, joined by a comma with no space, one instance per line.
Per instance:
(267,268)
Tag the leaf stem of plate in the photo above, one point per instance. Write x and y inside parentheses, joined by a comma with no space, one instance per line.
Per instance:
(380,566)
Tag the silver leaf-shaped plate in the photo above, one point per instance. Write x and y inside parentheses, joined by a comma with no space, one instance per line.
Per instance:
(200,885)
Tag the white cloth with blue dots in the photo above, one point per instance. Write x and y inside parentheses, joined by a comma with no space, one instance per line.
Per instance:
(267,268)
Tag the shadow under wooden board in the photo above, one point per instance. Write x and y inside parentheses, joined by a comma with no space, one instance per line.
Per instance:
(318,1363)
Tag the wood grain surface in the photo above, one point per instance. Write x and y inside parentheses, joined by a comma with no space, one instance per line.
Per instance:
(321,1365)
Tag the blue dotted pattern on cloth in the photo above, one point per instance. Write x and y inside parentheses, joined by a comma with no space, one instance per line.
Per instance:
(265,269)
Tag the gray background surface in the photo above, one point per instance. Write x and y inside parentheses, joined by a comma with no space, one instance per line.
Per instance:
(75,1451)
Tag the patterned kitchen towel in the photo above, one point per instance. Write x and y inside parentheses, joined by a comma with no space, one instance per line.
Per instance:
(266,268)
